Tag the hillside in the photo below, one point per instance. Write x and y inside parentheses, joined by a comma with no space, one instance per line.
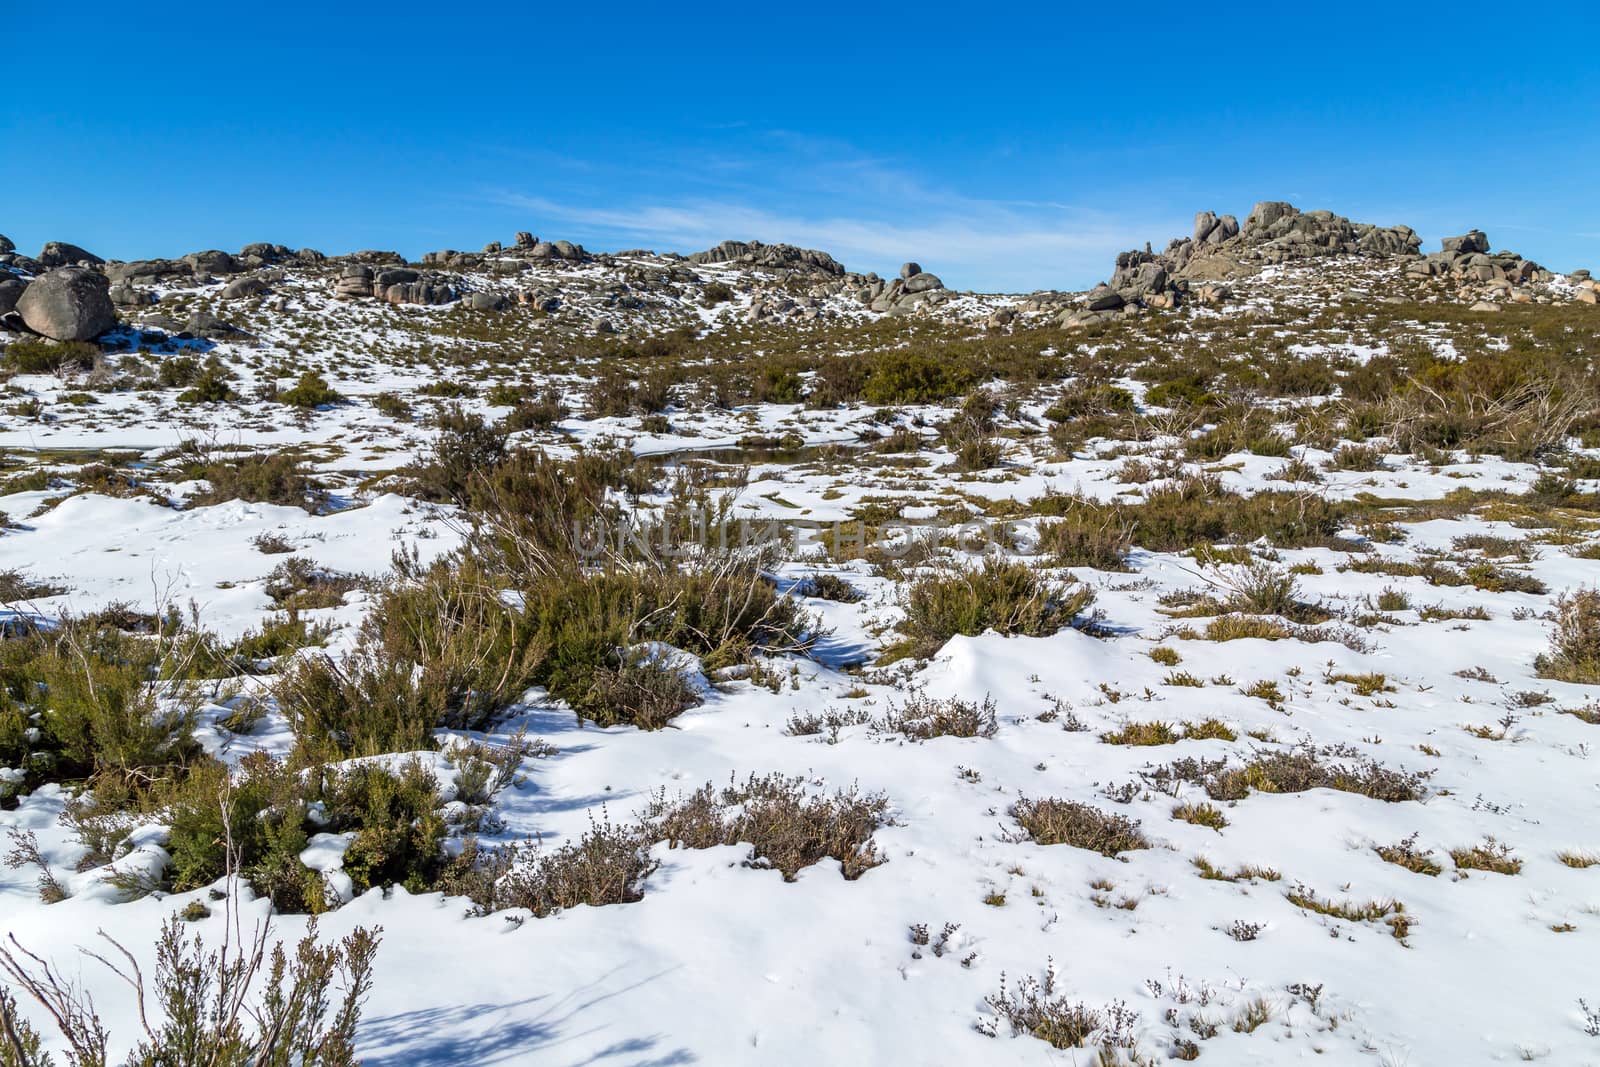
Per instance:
(732,657)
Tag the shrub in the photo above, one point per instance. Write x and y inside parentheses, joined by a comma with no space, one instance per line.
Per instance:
(638,691)
(1087,536)
(608,864)
(1008,597)
(829,587)
(77,703)
(265,478)
(391,406)
(1405,853)
(311,391)
(1038,1010)
(363,704)
(1068,822)
(786,829)
(466,450)
(1574,654)
(716,293)
(35,355)
(1143,733)
(922,718)
(204,999)
(212,385)
(258,824)
(902,377)
(1305,768)
(396,821)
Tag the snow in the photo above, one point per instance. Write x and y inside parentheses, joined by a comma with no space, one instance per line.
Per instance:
(724,963)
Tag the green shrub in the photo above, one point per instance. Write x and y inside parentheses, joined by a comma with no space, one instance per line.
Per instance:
(35,355)
(210,386)
(1006,596)
(1574,654)
(268,478)
(914,378)
(311,391)
(363,704)
(203,999)
(1088,536)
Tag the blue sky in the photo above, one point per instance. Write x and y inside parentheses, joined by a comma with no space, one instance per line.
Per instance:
(1006,147)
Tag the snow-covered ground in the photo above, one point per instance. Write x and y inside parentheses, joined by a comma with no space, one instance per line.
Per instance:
(720,962)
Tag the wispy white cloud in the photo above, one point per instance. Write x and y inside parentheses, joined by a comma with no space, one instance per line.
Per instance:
(870,214)
(986,247)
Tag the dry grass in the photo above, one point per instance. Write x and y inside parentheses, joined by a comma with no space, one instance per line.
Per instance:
(1068,822)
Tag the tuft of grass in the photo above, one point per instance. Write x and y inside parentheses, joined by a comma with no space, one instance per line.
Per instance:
(1578,859)
(1208,815)
(1491,855)
(1405,853)
(1143,733)
(1245,873)
(1388,911)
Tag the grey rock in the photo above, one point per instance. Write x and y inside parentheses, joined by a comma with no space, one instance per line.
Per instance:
(775,257)
(6,245)
(484,301)
(68,304)
(1104,298)
(525,239)
(1267,212)
(146,268)
(61,254)
(212,261)
(241,288)
(394,276)
(921,281)
(908,270)
(124,295)
(355,280)
(205,324)
(10,292)
(1467,243)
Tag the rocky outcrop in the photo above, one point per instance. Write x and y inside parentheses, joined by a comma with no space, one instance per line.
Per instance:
(538,249)
(1220,247)
(212,261)
(68,304)
(146,268)
(6,245)
(394,285)
(906,293)
(61,254)
(1466,262)
(772,257)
